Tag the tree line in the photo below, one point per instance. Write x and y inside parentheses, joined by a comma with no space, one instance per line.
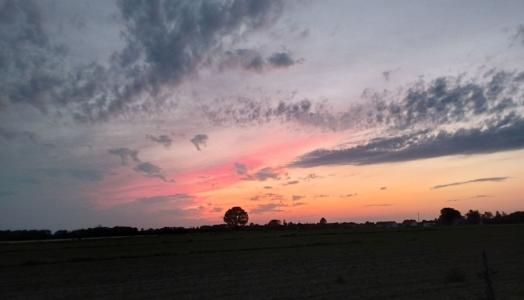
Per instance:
(237,218)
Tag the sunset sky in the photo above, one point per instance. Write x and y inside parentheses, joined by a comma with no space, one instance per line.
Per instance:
(167,113)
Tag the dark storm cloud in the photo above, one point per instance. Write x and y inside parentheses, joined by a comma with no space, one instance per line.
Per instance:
(150,170)
(162,139)
(495,135)
(125,154)
(165,41)
(489,179)
(199,140)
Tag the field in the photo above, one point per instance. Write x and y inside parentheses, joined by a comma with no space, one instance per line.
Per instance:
(307,264)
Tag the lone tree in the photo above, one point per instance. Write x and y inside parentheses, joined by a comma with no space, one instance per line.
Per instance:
(236,216)
(449,216)
(322,221)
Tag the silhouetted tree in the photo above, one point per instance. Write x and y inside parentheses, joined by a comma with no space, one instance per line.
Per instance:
(473,217)
(449,216)
(322,221)
(274,223)
(236,216)
(486,217)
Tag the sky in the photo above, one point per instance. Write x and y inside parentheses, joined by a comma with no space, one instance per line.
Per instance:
(168,113)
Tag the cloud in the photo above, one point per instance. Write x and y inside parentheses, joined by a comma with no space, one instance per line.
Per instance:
(494,136)
(240,169)
(252,60)
(90,175)
(264,174)
(281,60)
(267,187)
(349,195)
(161,139)
(9,135)
(268,197)
(422,104)
(217,209)
(268,207)
(150,170)
(165,42)
(383,188)
(297,197)
(299,203)
(488,179)
(165,199)
(252,111)
(518,35)
(481,196)
(125,154)
(386,75)
(199,140)
(27,55)
(291,182)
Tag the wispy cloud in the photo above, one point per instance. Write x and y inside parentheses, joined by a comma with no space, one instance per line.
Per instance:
(199,140)
(488,179)
(151,170)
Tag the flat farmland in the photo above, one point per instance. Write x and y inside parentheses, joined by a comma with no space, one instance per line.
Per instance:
(440,263)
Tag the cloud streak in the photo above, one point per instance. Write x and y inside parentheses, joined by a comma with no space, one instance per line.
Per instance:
(494,136)
(151,170)
(487,179)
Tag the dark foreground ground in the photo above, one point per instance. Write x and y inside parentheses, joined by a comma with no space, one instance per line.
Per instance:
(313,264)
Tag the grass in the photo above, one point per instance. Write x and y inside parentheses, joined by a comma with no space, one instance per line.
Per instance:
(313,264)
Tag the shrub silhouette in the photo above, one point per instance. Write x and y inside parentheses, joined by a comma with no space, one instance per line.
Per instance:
(236,216)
